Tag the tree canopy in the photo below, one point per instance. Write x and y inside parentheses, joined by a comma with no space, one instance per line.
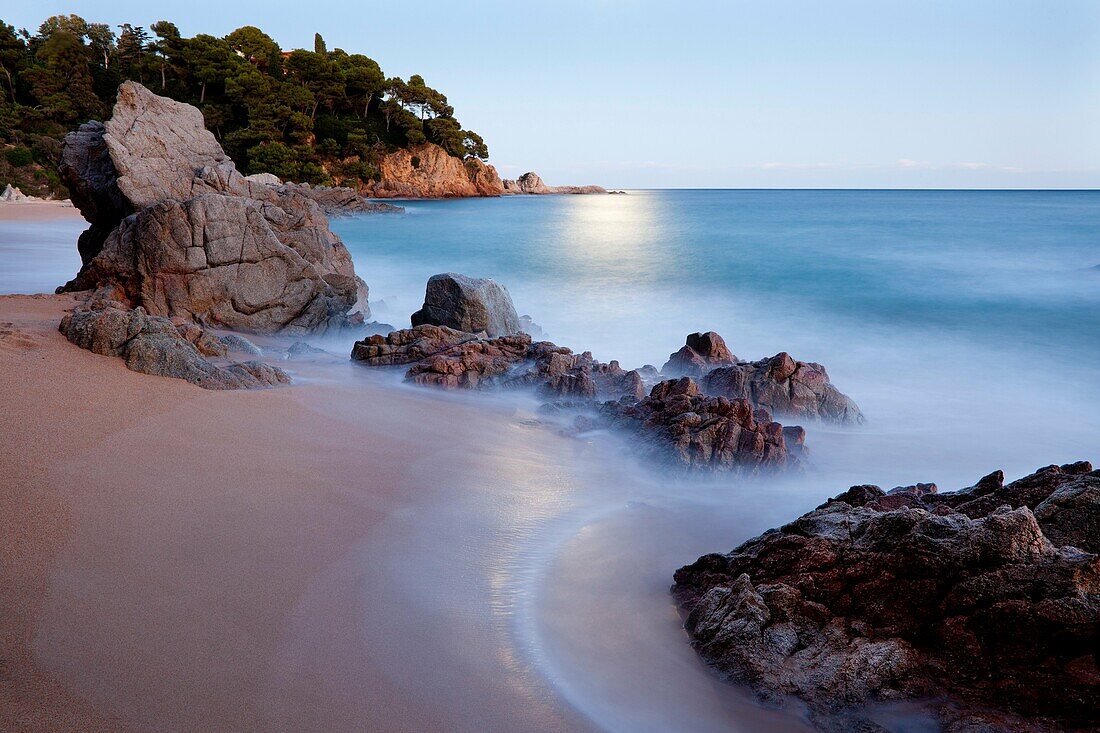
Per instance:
(310,115)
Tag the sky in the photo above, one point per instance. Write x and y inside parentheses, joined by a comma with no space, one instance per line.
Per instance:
(769,93)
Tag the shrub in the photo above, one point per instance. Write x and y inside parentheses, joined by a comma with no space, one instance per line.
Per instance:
(276,158)
(19,156)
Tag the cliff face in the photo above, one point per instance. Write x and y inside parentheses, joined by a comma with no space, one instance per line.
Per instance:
(427,171)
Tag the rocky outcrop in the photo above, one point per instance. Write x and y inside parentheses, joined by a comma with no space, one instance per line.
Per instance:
(675,421)
(429,171)
(454,359)
(786,387)
(986,598)
(217,260)
(186,235)
(485,178)
(468,304)
(467,336)
(12,193)
(531,184)
(106,325)
(701,353)
(678,421)
(780,384)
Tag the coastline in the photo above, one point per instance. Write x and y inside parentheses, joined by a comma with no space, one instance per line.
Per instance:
(164,591)
(41,210)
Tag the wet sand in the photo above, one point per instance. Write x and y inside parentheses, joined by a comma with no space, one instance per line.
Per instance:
(189,560)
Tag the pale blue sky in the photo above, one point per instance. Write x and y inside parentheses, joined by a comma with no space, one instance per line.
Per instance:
(632,93)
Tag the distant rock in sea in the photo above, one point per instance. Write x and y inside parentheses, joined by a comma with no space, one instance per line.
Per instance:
(985,601)
(531,184)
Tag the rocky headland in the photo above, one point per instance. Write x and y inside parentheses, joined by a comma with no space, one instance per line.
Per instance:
(179,240)
(428,171)
(984,601)
(467,336)
(531,184)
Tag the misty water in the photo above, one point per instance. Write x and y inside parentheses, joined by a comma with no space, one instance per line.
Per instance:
(966,325)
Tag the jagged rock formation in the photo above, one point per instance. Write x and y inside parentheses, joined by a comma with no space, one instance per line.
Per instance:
(988,598)
(468,304)
(701,353)
(485,178)
(450,358)
(780,384)
(676,420)
(107,325)
(531,184)
(12,193)
(185,234)
(467,336)
(784,386)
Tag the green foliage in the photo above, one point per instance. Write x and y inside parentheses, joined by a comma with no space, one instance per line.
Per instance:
(315,115)
(274,157)
(19,156)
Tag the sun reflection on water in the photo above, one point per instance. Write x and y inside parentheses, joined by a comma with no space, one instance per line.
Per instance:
(612,238)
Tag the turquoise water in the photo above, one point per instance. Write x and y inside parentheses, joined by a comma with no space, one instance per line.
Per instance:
(960,321)
(999,267)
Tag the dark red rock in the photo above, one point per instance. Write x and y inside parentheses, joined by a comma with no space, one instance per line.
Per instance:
(677,421)
(787,387)
(701,353)
(987,598)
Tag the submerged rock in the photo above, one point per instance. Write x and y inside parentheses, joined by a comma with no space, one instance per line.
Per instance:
(185,234)
(988,598)
(467,336)
(468,304)
(450,358)
(784,386)
(155,345)
(701,353)
(678,421)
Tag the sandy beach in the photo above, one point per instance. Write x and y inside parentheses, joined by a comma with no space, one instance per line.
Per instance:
(37,210)
(166,544)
